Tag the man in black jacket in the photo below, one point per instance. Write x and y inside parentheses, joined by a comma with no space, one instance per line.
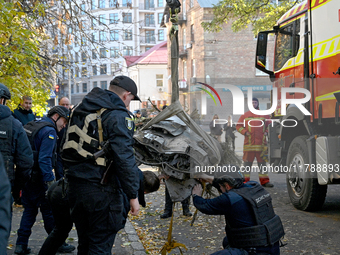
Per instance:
(24,112)
(14,145)
(102,188)
(251,224)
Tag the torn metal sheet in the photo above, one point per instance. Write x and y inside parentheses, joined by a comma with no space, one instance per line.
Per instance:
(175,143)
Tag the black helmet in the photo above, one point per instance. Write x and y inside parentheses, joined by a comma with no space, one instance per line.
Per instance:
(61,110)
(233,178)
(4,92)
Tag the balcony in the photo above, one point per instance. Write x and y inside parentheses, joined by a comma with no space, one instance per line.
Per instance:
(182,18)
(143,7)
(147,24)
(183,86)
(148,40)
(183,52)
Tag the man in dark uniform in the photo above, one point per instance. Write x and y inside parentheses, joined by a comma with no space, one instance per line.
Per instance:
(5,208)
(102,189)
(24,112)
(14,145)
(58,198)
(43,137)
(251,224)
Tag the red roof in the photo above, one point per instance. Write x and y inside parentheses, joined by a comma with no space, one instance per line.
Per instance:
(158,54)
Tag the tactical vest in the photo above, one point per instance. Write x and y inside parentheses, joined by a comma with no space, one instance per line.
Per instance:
(268,230)
(6,137)
(32,128)
(80,143)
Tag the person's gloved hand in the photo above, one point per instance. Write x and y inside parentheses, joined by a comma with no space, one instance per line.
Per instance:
(49,184)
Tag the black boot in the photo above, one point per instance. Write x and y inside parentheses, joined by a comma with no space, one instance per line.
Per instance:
(185,206)
(22,249)
(66,248)
(168,206)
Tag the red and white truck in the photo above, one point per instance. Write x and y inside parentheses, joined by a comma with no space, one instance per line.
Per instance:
(306,55)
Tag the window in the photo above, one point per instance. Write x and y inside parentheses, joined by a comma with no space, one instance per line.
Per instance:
(77,71)
(192,33)
(76,41)
(114,67)
(128,35)
(113,18)
(102,52)
(94,37)
(185,70)
(193,66)
(147,48)
(287,44)
(94,22)
(82,7)
(102,20)
(102,36)
(103,69)
(127,3)
(84,87)
(149,4)
(77,88)
(184,35)
(83,57)
(160,35)
(114,52)
(160,3)
(84,72)
(103,84)
(94,70)
(191,3)
(113,3)
(160,16)
(83,24)
(149,20)
(127,17)
(93,4)
(77,57)
(114,36)
(159,80)
(83,40)
(150,36)
(101,3)
(127,50)
(95,84)
(94,54)
(72,88)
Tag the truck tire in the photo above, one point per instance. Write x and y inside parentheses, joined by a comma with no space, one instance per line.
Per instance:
(303,188)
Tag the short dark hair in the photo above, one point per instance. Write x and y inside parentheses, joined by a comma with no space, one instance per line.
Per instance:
(116,89)
(150,181)
(27,98)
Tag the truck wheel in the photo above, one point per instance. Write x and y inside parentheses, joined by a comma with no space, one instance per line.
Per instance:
(303,188)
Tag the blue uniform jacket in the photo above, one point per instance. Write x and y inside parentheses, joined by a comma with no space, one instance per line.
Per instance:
(45,142)
(21,148)
(237,211)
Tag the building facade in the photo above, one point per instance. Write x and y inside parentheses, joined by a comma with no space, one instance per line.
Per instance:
(150,73)
(217,59)
(113,29)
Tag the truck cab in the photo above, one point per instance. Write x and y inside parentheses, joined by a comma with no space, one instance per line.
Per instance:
(305,55)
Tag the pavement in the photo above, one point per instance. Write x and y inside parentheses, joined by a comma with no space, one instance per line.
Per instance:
(127,241)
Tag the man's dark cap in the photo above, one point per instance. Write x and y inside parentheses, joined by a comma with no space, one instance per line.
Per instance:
(234,179)
(126,83)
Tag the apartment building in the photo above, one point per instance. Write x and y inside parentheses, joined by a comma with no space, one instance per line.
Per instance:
(114,29)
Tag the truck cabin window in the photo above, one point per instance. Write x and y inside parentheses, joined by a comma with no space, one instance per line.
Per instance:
(286,46)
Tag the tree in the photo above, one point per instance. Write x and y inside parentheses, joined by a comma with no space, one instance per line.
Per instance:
(23,68)
(259,14)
